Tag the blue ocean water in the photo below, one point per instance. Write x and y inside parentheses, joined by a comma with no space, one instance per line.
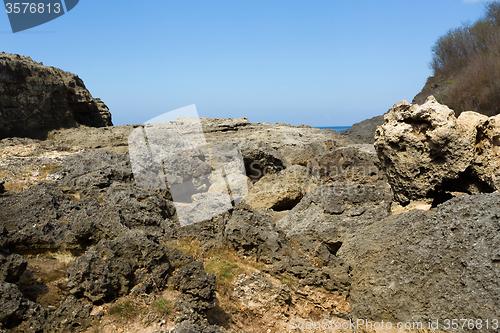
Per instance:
(337,128)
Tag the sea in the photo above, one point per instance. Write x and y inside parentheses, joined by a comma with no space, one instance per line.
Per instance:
(337,128)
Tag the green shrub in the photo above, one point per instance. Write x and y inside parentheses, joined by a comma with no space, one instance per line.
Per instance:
(468,60)
(124,310)
(163,305)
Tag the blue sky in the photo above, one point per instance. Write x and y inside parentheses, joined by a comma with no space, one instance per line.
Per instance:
(315,62)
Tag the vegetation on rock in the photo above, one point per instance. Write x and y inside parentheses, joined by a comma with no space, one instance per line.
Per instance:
(466,65)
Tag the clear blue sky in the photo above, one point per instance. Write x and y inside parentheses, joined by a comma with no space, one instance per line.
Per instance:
(315,62)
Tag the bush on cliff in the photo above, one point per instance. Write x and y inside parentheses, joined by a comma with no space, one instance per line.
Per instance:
(468,57)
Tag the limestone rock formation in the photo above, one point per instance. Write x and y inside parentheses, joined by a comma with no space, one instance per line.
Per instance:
(421,266)
(112,268)
(260,159)
(253,233)
(426,151)
(283,190)
(335,210)
(346,164)
(35,99)
(298,144)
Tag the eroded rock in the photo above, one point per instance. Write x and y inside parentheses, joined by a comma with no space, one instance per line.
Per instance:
(36,98)
(252,232)
(283,190)
(333,210)
(257,293)
(112,268)
(421,266)
(11,266)
(425,150)
(346,164)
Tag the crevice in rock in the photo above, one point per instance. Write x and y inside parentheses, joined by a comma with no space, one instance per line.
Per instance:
(333,248)
(287,204)
(467,182)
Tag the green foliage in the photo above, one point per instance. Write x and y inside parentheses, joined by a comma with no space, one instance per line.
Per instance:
(468,60)
(223,270)
(124,310)
(163,305)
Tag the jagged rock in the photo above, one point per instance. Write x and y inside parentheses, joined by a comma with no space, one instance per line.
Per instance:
(36,98)
(112,268)
(11,266)
(260,159)
(44,218)
(11,302)
(112,138)
(426,150)
(283,190)
(16,309)
(197,286)
(421,266)
(333,210)
(92,199)
(252,232)
(345,164)
(94,169)
(2,188)
(297,144)
(73,314)
(364,131)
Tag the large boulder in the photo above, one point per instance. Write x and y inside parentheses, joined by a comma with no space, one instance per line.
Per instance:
(332,211)
(425,150)
(252,232)
(112,268)
(35,99)
(91,197)
(421,266)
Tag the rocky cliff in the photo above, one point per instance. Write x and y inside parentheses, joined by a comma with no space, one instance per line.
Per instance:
(364,131)
(35,99)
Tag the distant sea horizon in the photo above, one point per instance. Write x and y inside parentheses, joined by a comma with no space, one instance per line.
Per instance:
(337,128)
